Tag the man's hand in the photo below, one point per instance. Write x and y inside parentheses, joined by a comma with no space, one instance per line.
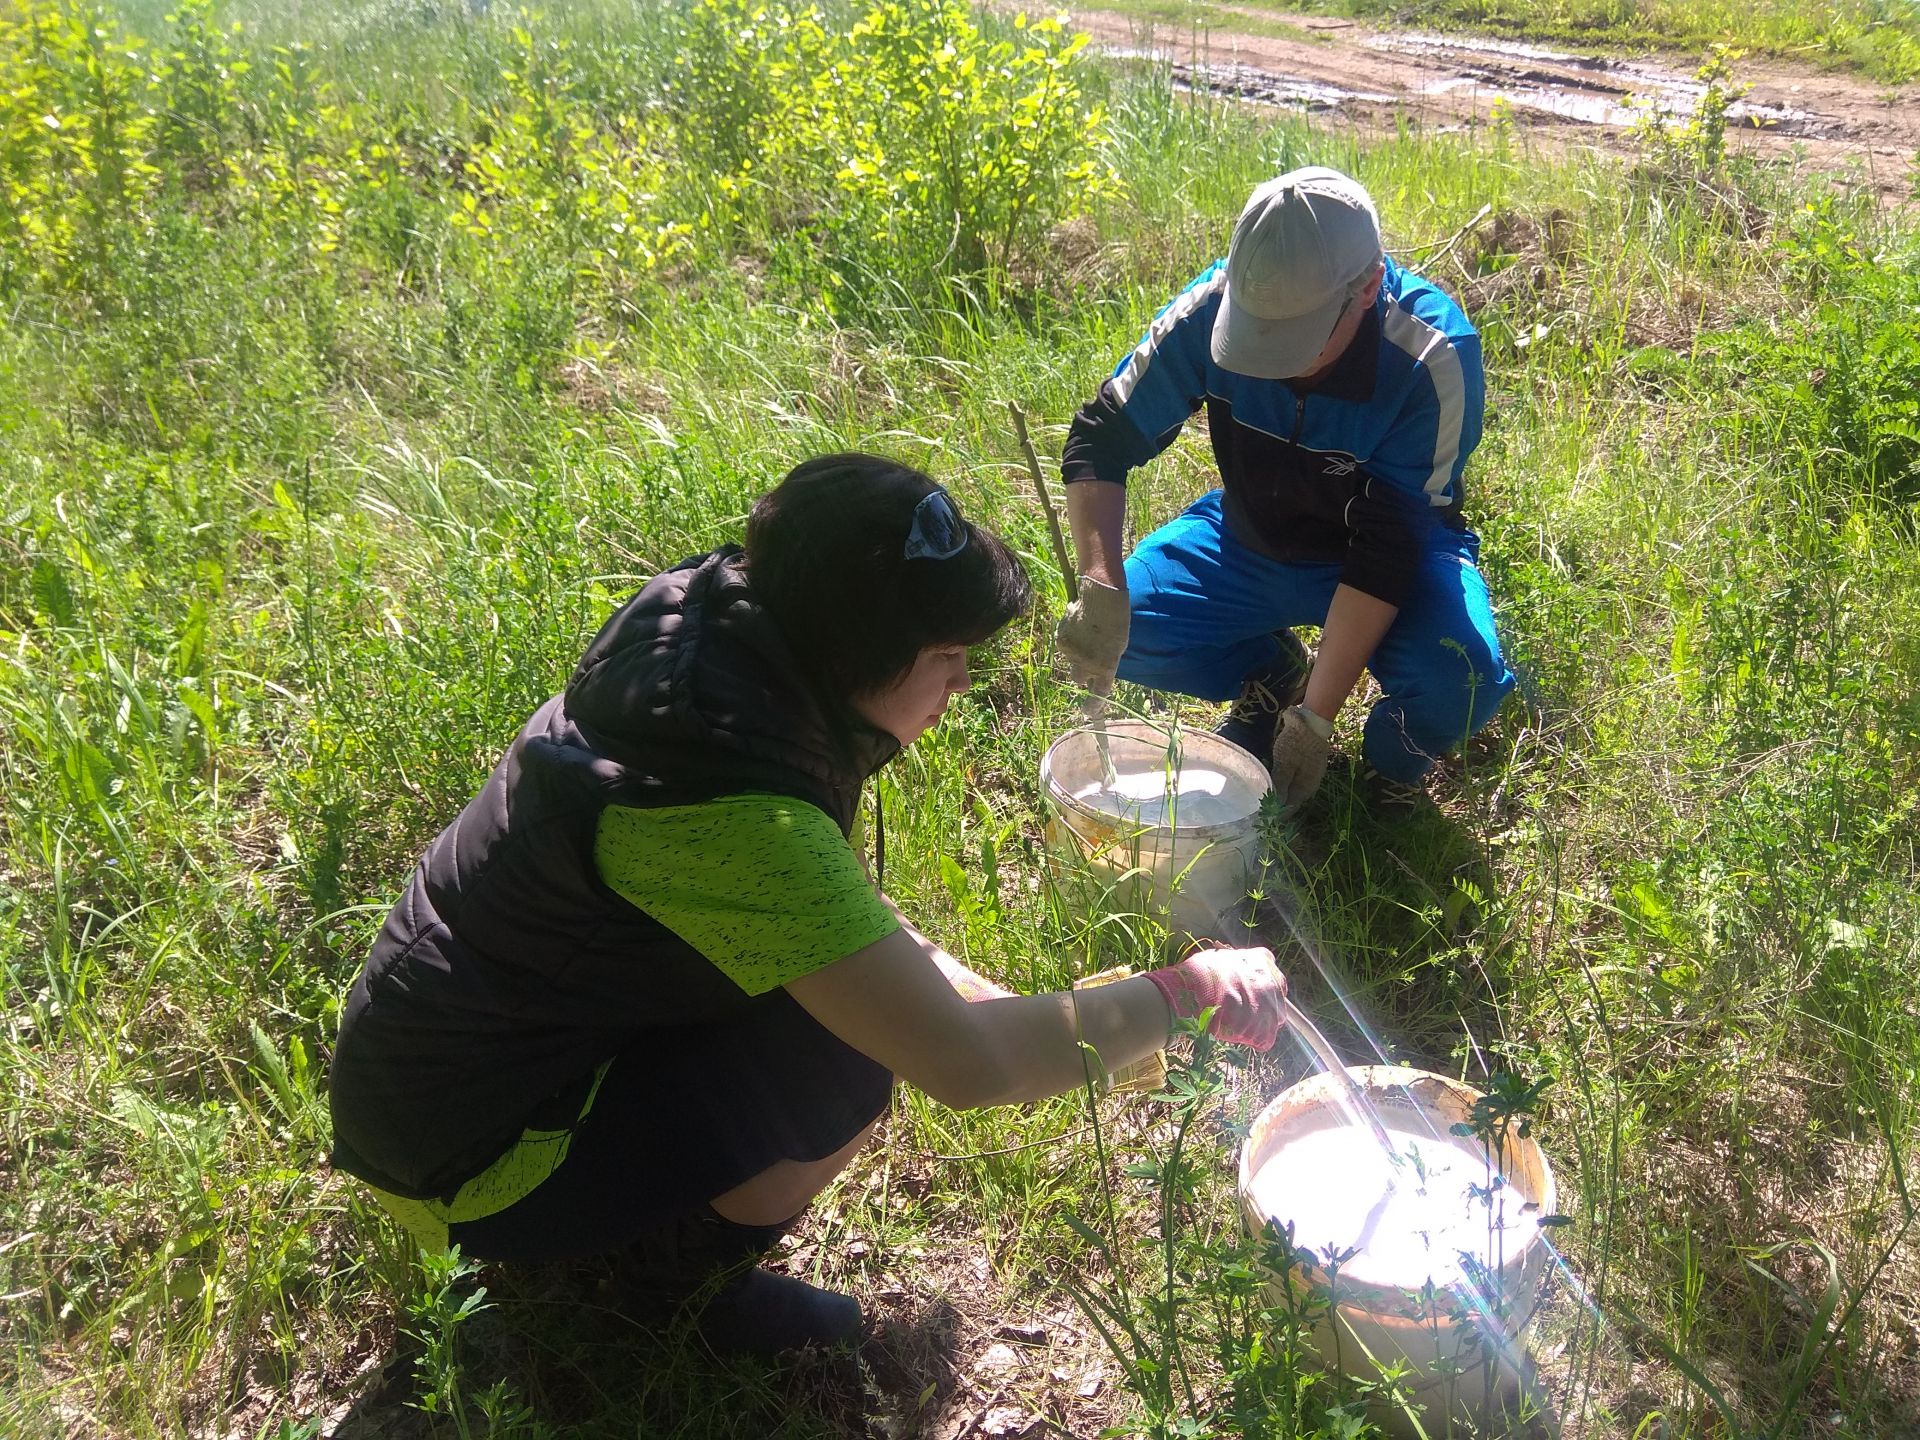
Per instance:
(1092,635)
(1243,988)
(1300,756)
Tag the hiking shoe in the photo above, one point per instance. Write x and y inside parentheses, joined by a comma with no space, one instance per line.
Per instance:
(1391,799)
(702,1269)
(763,1314)
(1265,696)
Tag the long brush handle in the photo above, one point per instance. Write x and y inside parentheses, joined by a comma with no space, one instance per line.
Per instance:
(1324,1052)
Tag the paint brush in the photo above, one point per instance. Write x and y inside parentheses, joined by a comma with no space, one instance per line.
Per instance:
(1094,710)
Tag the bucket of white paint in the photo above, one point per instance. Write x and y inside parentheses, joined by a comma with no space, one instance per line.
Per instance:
(1439,1264)
(1161,825)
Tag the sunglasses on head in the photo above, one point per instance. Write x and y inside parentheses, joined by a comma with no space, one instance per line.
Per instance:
(938,532)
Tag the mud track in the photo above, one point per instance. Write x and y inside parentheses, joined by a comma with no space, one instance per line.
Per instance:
(1373,77)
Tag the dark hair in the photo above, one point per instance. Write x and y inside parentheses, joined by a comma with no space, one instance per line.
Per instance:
(826,553)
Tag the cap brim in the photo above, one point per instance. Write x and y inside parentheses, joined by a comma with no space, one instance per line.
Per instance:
(1271,349)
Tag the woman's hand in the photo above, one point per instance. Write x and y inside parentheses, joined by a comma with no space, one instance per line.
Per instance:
(1244,989)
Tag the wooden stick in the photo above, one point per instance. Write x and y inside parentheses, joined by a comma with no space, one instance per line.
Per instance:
(1060,552)
(1094,706)
(1434,254)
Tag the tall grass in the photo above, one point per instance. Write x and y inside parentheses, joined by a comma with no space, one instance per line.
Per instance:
(315,488)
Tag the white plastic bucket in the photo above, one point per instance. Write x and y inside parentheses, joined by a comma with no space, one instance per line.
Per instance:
(1191,872)
(1381,1324)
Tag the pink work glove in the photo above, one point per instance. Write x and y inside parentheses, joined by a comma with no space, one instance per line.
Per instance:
(1243,988)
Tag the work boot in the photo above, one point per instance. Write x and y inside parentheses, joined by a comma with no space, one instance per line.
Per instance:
(1265,696)
(703,1269)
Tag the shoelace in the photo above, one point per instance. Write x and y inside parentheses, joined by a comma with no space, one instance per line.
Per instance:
(1256,699)
(1395,794)
(1259,699)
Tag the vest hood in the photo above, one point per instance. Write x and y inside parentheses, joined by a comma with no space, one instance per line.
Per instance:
(691,689)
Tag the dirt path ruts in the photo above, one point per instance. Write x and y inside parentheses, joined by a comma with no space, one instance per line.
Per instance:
(1371,75)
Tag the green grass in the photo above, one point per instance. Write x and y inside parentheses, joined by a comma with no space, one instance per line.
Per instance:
(307,507)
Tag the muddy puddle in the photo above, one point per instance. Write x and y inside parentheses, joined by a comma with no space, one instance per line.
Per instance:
(1580,89)
(1373,76)
(1586,89)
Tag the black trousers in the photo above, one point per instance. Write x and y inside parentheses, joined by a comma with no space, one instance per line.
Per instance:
(682,1116)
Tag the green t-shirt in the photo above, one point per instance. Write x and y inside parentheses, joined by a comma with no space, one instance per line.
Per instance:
(764,886)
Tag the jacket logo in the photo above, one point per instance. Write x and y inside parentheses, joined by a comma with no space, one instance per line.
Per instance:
(1339,464)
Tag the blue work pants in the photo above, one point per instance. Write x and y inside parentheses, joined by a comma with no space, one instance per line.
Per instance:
(1205,608)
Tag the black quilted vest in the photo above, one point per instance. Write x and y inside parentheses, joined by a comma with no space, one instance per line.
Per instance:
(508,970)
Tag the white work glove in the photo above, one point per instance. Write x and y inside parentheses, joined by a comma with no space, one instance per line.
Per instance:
(1299,756)
(1243,988)
(1092,635)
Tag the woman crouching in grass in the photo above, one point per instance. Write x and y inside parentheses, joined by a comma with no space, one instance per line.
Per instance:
(640,997)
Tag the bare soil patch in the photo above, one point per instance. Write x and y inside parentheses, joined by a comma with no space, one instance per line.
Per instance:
(1373,76)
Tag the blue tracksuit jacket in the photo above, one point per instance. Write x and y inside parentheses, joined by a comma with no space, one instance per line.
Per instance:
(1361,467)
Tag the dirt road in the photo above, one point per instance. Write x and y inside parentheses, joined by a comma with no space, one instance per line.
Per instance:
(1367,75)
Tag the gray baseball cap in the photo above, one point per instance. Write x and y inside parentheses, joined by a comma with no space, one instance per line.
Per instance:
(1301,242)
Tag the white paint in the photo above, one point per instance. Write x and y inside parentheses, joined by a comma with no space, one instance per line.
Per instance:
(1197,796)
(1339,1188)
(1192,867)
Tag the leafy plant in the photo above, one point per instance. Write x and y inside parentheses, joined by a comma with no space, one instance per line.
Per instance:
(1499,1117)
(1696,145)
(912,130)
(445,1304)
(1219,1292)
